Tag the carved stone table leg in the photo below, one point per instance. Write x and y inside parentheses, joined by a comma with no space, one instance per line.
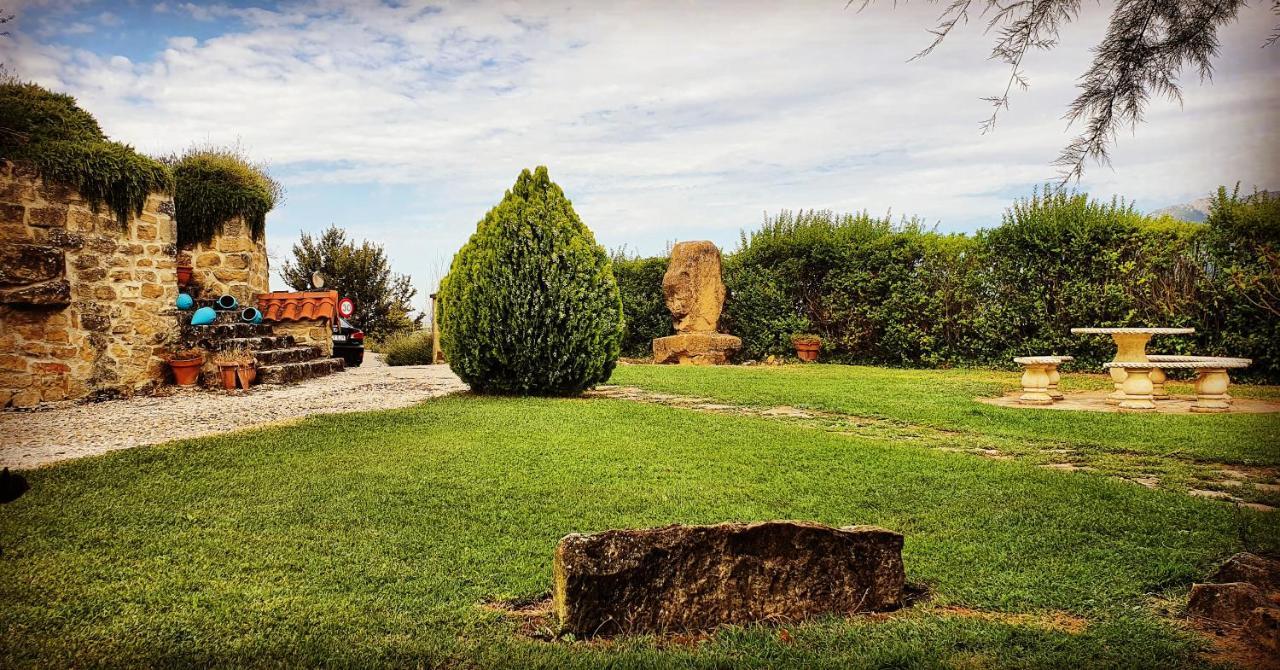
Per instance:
(1158,378)
(1130,348)
(1054,379)
(1137,389)
(1211,391)
(1035,385)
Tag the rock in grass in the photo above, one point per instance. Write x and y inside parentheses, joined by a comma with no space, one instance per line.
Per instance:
(1263,573)
(1231,603)
(691,578)
(1263,625)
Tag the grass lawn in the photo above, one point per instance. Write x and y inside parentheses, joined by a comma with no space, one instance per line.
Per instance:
(944,399)
(374,539)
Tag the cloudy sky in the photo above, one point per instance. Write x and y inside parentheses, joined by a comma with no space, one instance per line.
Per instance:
(403,122)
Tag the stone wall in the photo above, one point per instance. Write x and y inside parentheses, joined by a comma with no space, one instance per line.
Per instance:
(86,304)
(231,263)
(308,332)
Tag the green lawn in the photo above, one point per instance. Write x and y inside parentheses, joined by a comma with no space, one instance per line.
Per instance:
(374,539)
(944,399)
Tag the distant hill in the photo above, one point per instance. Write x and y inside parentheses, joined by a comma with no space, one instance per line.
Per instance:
(1195,211)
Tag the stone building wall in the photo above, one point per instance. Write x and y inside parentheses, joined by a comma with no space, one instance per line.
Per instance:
(308,332)
(232,263)
(86,304)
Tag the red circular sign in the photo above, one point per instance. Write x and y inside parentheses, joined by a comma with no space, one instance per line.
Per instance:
(346,307)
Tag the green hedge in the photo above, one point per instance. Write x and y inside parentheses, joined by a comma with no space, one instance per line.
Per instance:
(899,294)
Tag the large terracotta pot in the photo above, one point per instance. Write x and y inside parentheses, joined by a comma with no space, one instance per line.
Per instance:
(228,375)
(186,372)
(246,374)
(808,351)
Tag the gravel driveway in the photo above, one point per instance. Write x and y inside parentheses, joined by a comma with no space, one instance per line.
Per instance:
(65,431)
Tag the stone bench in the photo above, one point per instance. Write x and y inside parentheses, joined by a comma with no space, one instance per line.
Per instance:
(1040,378)
(1211,384)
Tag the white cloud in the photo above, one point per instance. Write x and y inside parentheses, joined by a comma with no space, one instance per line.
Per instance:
(661,120)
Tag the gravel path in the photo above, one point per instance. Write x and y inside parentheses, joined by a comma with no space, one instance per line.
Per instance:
(64,431)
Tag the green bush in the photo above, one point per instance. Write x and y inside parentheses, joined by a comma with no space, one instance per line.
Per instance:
(530,304)
(899,294)
(214,185)
(65,145)
(644,309)
(406,348)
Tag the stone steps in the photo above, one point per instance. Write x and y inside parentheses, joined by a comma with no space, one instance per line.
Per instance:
(254,343)
(223,331)
(287,355)
(287,373)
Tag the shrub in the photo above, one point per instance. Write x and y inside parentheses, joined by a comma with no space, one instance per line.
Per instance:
(644,308)
(213,185)
(407,348)
(530,304)
(65,145)
(898,294)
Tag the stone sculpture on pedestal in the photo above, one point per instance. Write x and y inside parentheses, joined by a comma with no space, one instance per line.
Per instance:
(694,293)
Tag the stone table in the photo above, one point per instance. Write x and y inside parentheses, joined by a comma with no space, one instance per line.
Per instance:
(1131,347)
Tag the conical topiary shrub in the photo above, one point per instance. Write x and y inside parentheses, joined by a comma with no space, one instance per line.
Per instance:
(530,304)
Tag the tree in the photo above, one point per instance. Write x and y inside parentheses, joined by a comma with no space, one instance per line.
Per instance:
(360,272)
(530,304)
(1147,44)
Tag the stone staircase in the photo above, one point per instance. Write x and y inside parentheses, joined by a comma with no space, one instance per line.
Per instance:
(279,359)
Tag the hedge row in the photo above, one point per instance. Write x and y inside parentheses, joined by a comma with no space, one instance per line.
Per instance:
(899,294)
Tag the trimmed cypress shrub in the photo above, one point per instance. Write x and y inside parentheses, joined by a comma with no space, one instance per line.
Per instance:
(530,304)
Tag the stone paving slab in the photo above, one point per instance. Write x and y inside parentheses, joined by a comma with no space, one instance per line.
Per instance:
(65,431)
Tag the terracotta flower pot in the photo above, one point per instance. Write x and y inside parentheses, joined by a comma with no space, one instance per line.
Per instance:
(807,351)
(246,375)
(186,372)
(228,375)
(184,275)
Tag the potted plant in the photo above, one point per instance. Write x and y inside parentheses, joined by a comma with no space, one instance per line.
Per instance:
(235,368)
(807,346)
(183,267)
(186,364)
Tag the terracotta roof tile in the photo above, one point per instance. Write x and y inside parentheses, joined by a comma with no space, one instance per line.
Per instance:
(304,306)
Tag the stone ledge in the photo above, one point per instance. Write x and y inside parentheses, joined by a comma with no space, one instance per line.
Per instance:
(696,348)
(692,578)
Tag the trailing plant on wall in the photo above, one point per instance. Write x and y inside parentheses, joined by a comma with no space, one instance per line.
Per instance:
(65,145)
(530,304)
(214,185)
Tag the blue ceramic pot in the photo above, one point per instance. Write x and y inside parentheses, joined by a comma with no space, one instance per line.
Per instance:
(203,316)
(185,301)
(228,302)
(251,315)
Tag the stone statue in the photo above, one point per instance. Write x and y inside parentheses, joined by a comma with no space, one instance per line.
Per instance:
(694,293)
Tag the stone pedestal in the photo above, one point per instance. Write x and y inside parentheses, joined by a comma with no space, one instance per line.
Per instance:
(696,348)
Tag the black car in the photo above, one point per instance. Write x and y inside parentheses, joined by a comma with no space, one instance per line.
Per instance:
(348,343)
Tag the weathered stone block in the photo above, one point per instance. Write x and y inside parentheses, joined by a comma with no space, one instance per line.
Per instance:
(56,292)
(208,259)
(1263,573)
(28,397)
(696,348)
(689,578)
(47,217)
(15,215)
(22,264)
(1232,602)
(146,232)
(225,275)
(692,287)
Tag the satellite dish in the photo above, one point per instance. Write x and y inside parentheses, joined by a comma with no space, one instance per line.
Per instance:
(317,280)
